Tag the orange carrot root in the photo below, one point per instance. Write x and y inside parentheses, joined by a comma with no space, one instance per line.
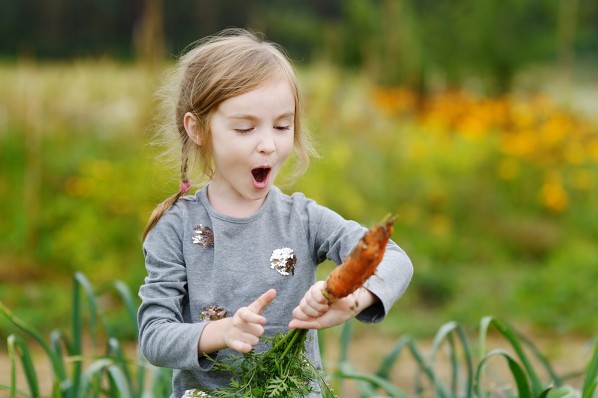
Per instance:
(361,262)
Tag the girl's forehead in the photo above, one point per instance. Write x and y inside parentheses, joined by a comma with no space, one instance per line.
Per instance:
(271,96)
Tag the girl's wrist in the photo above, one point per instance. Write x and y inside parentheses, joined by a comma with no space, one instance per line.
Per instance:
(364,299)
(212,337)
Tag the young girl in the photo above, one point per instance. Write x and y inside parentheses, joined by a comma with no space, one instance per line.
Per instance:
(237,260)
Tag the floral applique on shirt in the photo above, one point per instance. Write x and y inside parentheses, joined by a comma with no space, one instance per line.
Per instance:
(212,313)
(203,236)
(284,261)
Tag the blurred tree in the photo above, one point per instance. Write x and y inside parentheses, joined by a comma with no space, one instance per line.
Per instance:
(409,42)
(566,37)
(149,34)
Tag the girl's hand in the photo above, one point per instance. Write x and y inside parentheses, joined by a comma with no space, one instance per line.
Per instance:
(314,312)
(246,326)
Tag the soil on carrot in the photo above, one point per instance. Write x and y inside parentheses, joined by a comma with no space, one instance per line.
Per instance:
(565,354)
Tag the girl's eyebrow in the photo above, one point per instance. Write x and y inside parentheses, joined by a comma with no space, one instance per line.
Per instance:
(253,117)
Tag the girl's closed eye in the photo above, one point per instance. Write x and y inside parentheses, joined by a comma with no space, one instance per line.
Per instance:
(244,130)
(282,128)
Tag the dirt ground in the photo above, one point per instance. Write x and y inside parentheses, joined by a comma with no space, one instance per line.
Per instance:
(565,354)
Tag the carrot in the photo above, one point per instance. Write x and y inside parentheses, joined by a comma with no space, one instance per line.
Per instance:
(361,262)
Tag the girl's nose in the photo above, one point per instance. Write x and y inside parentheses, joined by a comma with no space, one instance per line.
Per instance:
(266,144)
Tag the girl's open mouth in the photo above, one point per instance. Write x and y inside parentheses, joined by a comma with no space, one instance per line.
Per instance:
(260,176)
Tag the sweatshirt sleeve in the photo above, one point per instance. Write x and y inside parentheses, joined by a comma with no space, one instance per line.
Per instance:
(390,281)
(165,337)
(334,237)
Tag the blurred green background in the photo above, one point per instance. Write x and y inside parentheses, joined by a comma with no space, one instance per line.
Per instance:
(475,121)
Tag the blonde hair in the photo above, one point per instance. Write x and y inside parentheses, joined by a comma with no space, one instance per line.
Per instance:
(217,68)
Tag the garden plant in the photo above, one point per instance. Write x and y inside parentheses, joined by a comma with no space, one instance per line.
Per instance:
(79,371)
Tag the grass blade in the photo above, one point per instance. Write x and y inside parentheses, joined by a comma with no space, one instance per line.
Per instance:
(131,307)
(91,377)
(115,352)
(562,392)
(119,380)
(513,339)
(427,370)
(127,298)
(389,360)
(55,362)
(590,381)
(18,347)
(56,338)
(523,386)
(347,372)
(81,282)
(558,381)
(343,356)
(346,333)
(446,332)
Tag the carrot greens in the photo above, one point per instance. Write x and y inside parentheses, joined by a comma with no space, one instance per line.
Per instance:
(279,372)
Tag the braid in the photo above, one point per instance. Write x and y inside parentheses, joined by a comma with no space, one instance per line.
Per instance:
(159,212)
(167,204)
(185,159)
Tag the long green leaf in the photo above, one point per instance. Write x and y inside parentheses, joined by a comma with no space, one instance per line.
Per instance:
(558,381)
(345,342)
(81,281)
(427,370)
(92,376)
(591,379)
(115,351)
(523,386)
(561,392)
(119,380)
(127,298)
(55,362)
(389,360)
(513,339)
(131,307)
(56,338)
(445,333)
(343,357)
(18,347)
(347,372)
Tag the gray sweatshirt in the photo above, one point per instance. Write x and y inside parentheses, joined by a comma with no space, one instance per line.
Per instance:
(197,259)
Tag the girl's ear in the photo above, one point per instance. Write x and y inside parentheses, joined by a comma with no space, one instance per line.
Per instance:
(192,128)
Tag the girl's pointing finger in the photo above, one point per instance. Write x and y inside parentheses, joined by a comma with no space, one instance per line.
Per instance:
(263,301)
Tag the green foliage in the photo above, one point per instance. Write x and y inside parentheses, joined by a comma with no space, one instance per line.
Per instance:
(469,375)
(74,372)
(283,371)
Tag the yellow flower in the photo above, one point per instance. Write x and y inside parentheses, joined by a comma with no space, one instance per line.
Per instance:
(554,130)
(520,144)
(553,195)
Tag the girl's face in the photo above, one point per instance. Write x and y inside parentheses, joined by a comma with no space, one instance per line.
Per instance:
(252,137)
